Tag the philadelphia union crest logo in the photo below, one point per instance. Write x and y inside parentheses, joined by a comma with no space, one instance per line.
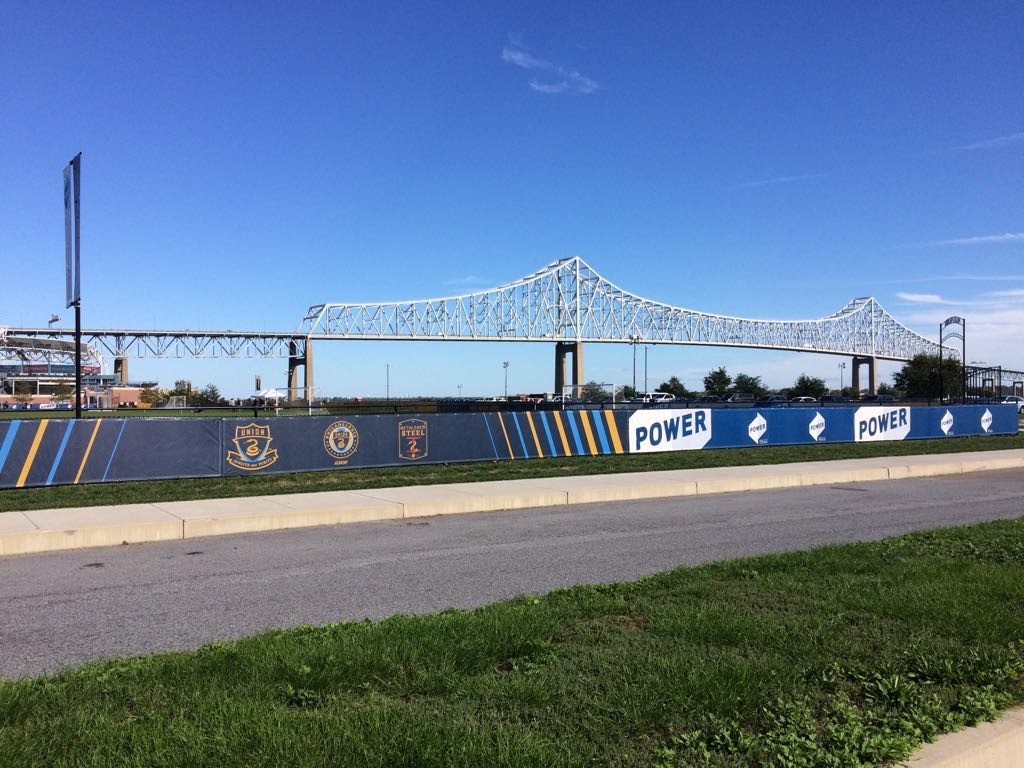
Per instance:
(412,439)
(341,440)
(252,448)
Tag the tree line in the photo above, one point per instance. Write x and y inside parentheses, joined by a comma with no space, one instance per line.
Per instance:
(921,377)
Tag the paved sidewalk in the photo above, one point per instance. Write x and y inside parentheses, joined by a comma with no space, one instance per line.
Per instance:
(56,529)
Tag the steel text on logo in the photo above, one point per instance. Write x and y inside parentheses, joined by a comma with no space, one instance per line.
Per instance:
(672,430)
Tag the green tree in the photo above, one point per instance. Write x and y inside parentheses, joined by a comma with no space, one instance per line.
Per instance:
(675,387)
(920,377)
(182,387)
(23,391)
(808,386)
(208,396)
(718,382)
(592,389)
(751,384)
(151,395)
(62,392)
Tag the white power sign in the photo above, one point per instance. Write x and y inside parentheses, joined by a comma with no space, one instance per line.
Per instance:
(874,423)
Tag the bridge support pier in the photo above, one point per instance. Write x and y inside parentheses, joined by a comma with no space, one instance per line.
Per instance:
(121,369)
(574,348)
(872,381)
(295,360)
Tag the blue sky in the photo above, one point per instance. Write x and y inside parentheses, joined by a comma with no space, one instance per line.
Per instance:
(242,161)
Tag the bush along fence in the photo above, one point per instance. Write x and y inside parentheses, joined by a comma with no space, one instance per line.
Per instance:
(67,451)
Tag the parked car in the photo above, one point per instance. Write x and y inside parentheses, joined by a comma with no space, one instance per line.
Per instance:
(1016,400)
(803,399)
(709,399)
(835,399)
(771,401)
(877,399)
(740,397)
(654,397)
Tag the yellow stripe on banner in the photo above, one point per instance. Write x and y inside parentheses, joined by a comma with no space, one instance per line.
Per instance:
(613,431)
(505,433)
(88,450)
(536,440)
(587,431)
(561,433)
(32,453)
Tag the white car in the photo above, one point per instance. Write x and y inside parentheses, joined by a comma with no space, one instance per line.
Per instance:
(1016,400)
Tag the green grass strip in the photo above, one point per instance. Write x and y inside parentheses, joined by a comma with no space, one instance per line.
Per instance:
(846,655)
(23,499)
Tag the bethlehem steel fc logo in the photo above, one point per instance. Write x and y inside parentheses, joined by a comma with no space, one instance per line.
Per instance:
(412,439)
(252,448)
(341,440)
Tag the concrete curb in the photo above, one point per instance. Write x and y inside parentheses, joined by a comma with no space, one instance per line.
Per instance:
(986,745)
(57,529)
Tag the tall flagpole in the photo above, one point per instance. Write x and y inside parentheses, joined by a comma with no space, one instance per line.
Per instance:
(73,261)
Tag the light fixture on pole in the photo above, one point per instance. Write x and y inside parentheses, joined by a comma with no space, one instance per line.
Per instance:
(53,319)
(634,340)
(505,366)
(842,367)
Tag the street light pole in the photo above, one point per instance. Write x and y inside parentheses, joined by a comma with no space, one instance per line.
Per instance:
(387,381)
(842,366)
(646,389)
(505,366)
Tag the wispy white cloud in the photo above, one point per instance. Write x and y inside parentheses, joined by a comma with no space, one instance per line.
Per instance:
(778,180)
(1001,141)
(922,298)
(1006,237)
(559,78)
(523,59)
(1013,293)
(959,278)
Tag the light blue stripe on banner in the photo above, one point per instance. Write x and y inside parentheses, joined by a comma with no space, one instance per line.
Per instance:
(575,433)
(488,425)
(601,434)
(114,449)
(60,451)
(5,449)
(547,431)
(522,441)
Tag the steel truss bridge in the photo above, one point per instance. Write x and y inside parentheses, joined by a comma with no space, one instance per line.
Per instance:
(566,303)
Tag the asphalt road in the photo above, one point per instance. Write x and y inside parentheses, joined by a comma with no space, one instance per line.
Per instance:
(63,608)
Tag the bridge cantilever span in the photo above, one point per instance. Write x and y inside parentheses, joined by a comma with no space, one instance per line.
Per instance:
(569,303)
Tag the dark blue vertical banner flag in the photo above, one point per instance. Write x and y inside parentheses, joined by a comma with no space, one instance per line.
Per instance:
(72,238)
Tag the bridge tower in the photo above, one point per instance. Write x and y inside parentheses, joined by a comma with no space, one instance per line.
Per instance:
(305,361)
(872,382)
(574,348)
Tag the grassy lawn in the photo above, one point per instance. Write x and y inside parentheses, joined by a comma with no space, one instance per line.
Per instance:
(842,656)
(353,479)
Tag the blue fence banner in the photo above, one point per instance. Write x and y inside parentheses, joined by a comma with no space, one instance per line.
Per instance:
(681,429)
(37,452)
(40,452)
